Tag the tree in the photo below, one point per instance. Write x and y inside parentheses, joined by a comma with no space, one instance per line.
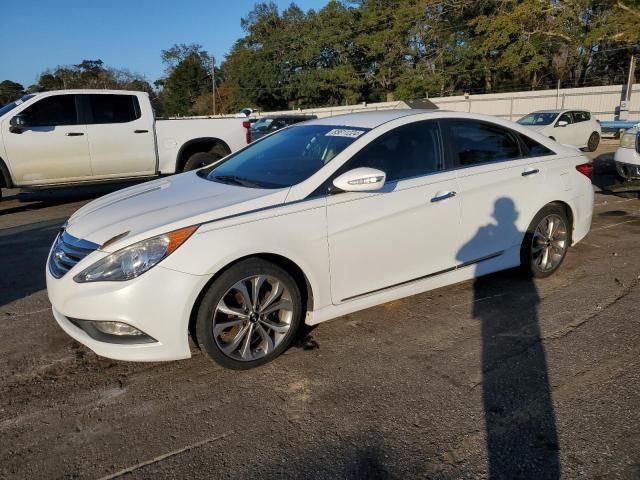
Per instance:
(10,91)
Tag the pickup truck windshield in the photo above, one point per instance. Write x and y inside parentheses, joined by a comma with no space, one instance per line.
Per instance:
(285,158)
(10,106)
(538,119)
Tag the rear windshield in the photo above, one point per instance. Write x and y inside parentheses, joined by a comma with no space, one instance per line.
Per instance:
(285,158)
(538,118)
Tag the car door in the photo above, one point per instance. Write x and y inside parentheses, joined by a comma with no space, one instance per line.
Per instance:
(498,181)
(409,229)
(582,128)
(52,147)
(566,134)
(121,139)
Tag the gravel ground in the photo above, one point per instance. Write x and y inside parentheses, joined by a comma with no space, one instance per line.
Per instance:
(502,377)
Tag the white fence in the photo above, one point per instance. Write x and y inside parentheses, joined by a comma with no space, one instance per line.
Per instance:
(602,101)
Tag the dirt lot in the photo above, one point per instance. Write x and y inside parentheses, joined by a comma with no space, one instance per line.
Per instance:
(494,377)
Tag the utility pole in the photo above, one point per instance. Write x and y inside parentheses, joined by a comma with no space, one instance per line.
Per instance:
(626,95)
(213,83)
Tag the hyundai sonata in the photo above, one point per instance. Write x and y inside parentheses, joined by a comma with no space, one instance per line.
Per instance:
(311,223)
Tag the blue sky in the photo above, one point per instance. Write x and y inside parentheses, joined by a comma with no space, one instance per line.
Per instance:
(129,34)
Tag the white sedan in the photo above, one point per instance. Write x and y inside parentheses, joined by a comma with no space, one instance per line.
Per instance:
(311,223)
(570,127)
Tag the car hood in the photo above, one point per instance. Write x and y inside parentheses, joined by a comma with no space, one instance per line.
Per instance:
(163,205)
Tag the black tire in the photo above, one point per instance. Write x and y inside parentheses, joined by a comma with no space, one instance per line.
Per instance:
(594,141)
(208,314)
(200,160)
(530,261)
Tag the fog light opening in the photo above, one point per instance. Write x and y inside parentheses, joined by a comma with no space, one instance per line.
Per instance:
(117,328)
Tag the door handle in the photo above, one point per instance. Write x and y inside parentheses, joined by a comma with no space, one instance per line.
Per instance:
(74,134)
(141,131)
(442,196)
(530,171)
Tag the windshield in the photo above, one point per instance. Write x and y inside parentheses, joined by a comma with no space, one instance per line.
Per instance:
(10,106)
(538,118)
(285,158)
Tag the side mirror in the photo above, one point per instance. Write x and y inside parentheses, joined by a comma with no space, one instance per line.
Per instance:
(17,124)
(562,123)
(361,179)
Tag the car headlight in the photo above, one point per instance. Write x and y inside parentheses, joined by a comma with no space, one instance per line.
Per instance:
(132,261)
(628,140)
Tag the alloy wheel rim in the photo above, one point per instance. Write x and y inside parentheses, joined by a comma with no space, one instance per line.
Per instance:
(252,318)
(549,243)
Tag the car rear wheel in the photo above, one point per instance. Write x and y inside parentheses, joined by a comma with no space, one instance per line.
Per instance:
(200,160)
(249,315)
(594,141)
(546,242)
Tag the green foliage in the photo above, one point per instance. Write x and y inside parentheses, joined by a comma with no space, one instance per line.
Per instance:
(187,79)
(10,91)
(372,50)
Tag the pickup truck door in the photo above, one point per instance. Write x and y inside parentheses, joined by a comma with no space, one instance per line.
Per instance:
(52,147)
(121,135)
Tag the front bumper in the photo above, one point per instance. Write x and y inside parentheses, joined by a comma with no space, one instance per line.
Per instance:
(627,162)
(158,302)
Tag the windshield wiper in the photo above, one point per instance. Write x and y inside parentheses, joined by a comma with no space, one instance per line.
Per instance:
(245,182)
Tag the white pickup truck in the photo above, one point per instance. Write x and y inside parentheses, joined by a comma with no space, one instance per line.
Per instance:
(70,137)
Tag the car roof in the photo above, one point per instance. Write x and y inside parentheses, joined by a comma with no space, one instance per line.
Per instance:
(370,119)
(561,110)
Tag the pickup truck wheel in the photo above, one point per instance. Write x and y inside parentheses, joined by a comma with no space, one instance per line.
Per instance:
(199,160)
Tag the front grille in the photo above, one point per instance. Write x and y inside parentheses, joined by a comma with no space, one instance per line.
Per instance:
(67,252)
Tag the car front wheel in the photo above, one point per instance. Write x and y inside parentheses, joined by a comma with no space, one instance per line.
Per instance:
(249,315)
(546,242)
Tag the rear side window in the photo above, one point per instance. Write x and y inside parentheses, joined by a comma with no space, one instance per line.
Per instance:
(474,143)
(107,108)
(52,111)
(535,149)
(408,151)
(581,117)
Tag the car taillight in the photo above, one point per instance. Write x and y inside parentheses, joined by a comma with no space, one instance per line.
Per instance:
(247,125)
(586,169)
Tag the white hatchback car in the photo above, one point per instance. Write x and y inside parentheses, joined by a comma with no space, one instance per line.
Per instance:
(570,127)
(313,222)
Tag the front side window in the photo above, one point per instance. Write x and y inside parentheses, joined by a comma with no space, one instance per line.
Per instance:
(52,111)
(408,151)
(473,143)
(285,158)
(107,108)
(566,117)
(538,119)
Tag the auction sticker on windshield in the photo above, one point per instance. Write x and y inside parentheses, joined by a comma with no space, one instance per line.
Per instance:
(343,132)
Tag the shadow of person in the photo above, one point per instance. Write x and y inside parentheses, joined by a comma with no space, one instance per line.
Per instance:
(521,436)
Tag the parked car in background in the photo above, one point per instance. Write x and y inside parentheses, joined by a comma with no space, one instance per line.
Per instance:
(627,157)
(266,125)
(72,137)
(314,222)
(570,127)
